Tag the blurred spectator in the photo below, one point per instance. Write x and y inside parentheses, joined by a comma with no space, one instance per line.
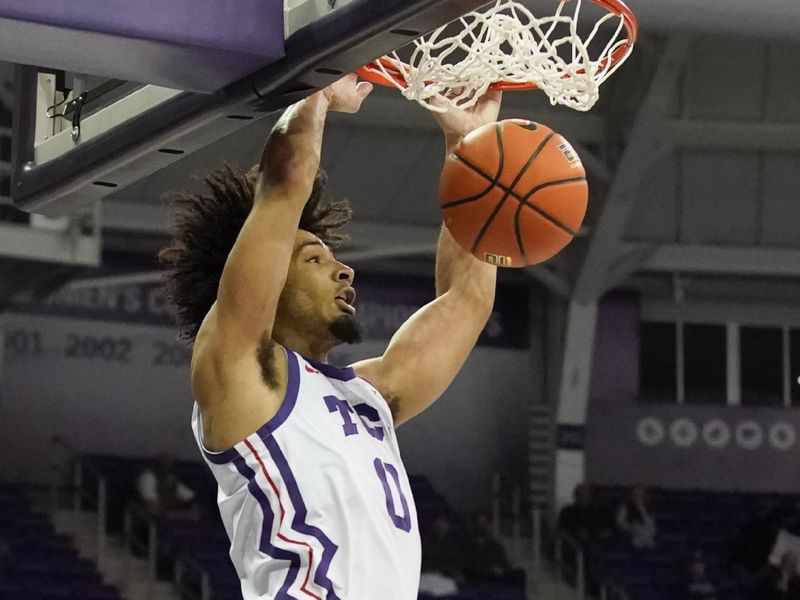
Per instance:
(438,585)
(754,542)
(779,582)
(486,559)
(784,542)
(583,520)
(635,521)
(443,558)
(698,586)
(162,493)
(790,519)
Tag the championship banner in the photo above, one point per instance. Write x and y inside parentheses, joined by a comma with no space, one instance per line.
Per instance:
(383,305)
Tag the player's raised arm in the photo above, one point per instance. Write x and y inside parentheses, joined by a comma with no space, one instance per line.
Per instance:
(230,255)
(427,352)
(256,269)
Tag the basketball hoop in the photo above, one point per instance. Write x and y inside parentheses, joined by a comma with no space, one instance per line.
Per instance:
(506,47)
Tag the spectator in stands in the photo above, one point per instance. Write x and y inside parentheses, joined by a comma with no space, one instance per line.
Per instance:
(698,586)
(486,559)
(163,494)
(635,521)
(443,558)
(583,520)
(754,542)
(779,582)
(790,518)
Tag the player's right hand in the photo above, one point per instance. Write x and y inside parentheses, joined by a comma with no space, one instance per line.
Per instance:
(456,123)
(347,94)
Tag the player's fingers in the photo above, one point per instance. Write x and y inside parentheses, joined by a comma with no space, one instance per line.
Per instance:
(494,96)
(454,92)
(438,101)
(489,97)
(363,89)
(352,102)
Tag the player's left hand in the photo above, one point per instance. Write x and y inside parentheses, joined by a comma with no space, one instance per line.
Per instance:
(346,94)
(456,123)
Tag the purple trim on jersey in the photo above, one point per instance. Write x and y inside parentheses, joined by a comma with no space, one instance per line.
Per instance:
(300,514)
(345,374)
(266,529)
(289,400)
(221,458)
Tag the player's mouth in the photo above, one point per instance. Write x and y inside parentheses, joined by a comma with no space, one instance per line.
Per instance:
(346,299)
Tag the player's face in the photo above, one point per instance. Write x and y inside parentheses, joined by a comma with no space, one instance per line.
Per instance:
(318,297)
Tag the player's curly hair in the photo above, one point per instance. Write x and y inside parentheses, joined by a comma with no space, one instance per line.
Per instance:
(205,227)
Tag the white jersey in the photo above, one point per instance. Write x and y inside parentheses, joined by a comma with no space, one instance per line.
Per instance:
(317,503)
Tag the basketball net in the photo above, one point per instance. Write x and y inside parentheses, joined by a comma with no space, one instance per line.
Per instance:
(505,46)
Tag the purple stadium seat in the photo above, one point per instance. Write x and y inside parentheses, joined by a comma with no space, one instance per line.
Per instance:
(54,592)
(44,564)
(98,592)
(497,591)
(688,521)
(8,588)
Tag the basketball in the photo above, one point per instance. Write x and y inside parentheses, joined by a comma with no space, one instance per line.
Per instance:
(513,193)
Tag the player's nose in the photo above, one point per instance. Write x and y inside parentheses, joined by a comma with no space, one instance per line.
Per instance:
(345,273)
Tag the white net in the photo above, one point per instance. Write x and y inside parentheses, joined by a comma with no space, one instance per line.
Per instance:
(506,42)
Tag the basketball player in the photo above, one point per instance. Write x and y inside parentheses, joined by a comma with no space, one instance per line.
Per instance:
(312,489)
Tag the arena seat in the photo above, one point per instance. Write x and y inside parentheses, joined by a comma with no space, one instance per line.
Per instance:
(40,563)
(688,520)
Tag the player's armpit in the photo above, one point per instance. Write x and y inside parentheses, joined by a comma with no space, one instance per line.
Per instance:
(236,397)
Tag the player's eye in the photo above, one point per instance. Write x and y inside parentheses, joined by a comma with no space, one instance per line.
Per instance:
(314,259)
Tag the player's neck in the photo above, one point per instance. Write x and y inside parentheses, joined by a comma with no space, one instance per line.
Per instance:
(315,349)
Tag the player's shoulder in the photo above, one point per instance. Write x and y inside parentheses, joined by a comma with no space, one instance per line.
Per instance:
(373,373)
(219,372)
(237,398)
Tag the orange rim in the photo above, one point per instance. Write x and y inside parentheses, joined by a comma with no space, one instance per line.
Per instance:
(393,77)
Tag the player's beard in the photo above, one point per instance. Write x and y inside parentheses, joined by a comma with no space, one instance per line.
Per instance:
(347,330)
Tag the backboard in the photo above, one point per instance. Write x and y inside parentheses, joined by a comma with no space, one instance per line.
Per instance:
(116,96)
